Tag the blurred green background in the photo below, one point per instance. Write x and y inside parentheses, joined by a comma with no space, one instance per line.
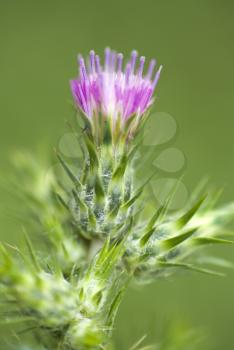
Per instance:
(39,41)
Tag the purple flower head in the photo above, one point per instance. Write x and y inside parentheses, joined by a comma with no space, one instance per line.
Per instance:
(114,89)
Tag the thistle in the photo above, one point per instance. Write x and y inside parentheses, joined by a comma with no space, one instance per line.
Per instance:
(95,239)
(114,93)
(114,102)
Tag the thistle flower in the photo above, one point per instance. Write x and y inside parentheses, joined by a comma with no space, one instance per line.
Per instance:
(113,90)
(99,239)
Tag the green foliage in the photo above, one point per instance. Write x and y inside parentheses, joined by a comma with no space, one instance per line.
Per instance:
(93,242)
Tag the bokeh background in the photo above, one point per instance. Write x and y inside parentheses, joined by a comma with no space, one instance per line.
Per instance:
(39,41)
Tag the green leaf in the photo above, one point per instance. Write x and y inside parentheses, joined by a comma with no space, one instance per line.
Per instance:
(16,319)
(113,213)
(213,199)
(32,253)
(116,250)
(210,240)
(213,260)
(124,134)
(130,202)
(188,267)
(164,208)
(199,189)
(138,343)
(97,297)
(69,172)
(176,240)
(114,307)
(93,157)
(107,135)
(5,254)
(146,237)
(123,230)
(156,217)
(120,170)
(84,233)
(92,218)
(54,266)
(61,201)
(99,190)
(137,194)
(87,122)
(82,205)
(103,252)
(183,220)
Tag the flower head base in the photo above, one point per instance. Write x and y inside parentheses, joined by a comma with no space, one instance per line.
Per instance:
(114,90)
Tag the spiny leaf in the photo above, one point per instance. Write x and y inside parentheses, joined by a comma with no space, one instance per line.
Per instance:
(107,136)
(125,230)
(32,253)
(146,237)
(104,259)
(113,213)
(120,170)
(144,119)
(103,252)
(183,220)
(85,119)
(79,201)
(137,194)
(150,228)
(114,307)
(138,343)
(96,135)
(174,241)
(164,208)
(16,319)
(55,266)
(199,189)
(132,200)
(191,267)
(5,254)
(92,218)
(116,128)
(212,260)
(210,240)
(84,233)
(213,199)
(68,171)
(97,297)
(125,132)
(132,150)
(156,217)
(227,232)
(93,157)
(110,259)
(99,190)
(148,347)
(74,273)
(115,252)
(61,201)
(85,172)
(131,119)
(17,250)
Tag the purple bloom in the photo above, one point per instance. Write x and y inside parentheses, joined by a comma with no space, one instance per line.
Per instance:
(114,90)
